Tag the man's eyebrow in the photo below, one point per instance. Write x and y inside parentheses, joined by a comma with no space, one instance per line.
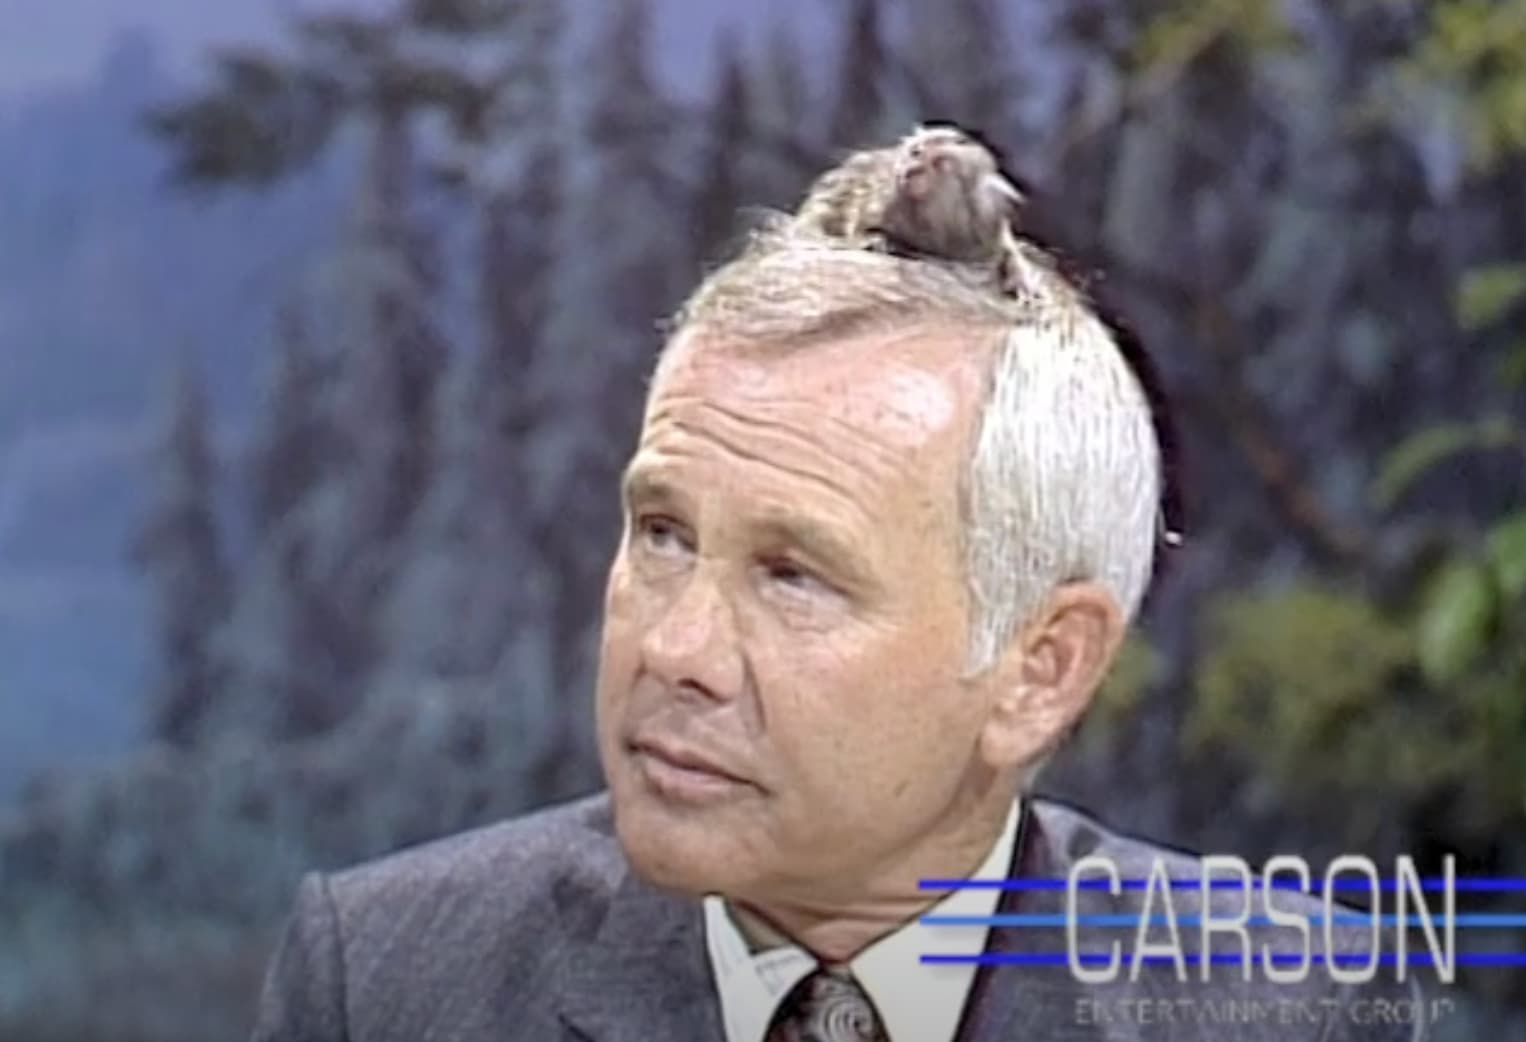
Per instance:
(643,483)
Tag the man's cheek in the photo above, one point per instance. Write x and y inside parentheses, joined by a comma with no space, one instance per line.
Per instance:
(629,609)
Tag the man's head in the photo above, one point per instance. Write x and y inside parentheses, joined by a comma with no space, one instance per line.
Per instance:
(884,530)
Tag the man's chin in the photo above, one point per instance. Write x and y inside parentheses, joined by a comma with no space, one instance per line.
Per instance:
(690,853)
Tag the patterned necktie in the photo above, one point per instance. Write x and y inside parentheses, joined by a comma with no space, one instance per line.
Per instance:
(827,1006)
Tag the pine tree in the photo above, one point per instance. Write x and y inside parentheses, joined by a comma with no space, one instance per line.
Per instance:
(779,86)
(268,115)
(518,190)
(470,619)
(293,448)
(620,271)
(729,147)
(286,632)
(391,355)
(180,550)
(287,642)
(959,55)
(860,110)
(786,127)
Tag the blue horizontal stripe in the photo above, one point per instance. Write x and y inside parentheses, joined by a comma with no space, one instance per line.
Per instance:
(1469,919)
(1343,959)
(1477,884)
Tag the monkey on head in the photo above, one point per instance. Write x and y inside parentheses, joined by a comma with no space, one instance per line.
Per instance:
(938,193)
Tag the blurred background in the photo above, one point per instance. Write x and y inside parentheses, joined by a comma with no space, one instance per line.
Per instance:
(323,330)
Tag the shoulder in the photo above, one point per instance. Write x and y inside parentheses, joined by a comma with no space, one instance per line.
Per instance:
(449,938)
(1070,836)
(545,871)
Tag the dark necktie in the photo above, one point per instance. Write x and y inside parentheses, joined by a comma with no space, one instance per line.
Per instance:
(827,1006)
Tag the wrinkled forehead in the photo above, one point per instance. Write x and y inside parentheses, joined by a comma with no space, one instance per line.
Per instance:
(908,389)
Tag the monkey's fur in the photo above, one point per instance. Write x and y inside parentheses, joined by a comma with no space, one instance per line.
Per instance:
(937,194)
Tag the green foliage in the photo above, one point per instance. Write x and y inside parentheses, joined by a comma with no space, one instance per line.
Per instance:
(1172,41)
(1506,545)
(1485,298)
(264,118)
(1455,621)
(1291,673)
(1487,293)
(1326,692)
(1134,670)
(1431,446)
(1476,51)
(1512,369)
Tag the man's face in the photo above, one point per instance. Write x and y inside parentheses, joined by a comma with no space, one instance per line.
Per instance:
(780,696)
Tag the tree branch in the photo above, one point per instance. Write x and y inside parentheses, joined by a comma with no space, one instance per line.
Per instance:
(1251,428)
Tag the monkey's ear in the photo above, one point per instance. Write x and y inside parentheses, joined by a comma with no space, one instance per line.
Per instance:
(1005,189)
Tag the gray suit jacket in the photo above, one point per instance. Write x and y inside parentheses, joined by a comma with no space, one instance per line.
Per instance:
(535,929)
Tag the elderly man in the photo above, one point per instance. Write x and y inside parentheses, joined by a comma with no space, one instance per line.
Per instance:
(885,528)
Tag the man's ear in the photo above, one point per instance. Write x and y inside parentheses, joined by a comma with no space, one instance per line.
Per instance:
(1049,672)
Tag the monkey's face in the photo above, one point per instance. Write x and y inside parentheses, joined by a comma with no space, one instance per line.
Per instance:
(951,200)
(941,160)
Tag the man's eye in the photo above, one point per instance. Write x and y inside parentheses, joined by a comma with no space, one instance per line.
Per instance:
(660,534)
(790,574)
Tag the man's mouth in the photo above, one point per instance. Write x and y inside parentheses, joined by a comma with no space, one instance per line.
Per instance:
(683,755)
(685,772)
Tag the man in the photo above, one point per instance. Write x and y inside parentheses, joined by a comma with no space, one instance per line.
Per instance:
(885,528)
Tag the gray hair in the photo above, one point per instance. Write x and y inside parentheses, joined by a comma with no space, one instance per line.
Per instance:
(1064,480)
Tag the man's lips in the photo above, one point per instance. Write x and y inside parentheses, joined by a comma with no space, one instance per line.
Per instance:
(686,757)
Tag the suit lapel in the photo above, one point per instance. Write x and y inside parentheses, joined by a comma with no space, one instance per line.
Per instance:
(645,974)
(1013,1002)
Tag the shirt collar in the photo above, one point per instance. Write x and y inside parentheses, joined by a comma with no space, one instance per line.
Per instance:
(918,1002)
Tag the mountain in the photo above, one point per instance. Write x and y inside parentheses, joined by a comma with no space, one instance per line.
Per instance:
(108,277)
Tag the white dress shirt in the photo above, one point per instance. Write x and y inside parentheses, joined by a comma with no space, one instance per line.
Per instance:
(918,1002)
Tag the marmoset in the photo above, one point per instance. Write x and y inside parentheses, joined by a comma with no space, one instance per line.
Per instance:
(939,193)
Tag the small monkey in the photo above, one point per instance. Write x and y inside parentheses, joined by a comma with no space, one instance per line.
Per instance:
(938,193)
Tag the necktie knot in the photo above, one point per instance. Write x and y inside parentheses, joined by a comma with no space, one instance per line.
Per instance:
(827,1006)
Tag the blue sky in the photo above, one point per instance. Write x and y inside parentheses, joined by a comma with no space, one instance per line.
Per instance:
(74,637)
(52,43)
(55,42)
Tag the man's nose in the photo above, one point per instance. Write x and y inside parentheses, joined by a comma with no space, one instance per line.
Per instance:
(693,643)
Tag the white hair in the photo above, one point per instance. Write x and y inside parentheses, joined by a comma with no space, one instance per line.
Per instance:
(1064,480)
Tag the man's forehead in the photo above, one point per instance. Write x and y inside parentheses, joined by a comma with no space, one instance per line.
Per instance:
(907,387)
